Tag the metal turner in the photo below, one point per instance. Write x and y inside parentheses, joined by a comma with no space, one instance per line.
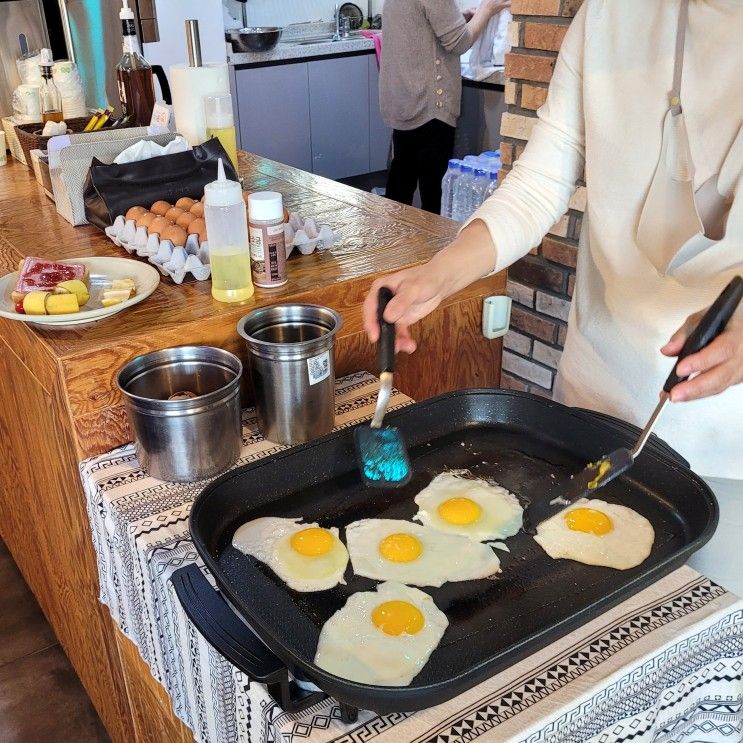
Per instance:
(609,467)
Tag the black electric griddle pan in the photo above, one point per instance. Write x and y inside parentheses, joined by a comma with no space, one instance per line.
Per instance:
(521,441)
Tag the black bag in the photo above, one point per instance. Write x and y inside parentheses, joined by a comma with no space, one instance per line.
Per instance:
(110,190)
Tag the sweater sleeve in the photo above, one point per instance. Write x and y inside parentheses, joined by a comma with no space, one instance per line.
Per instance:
(535,194)
(448,25)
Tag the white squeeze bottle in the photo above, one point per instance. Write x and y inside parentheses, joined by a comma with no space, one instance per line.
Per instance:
(229,247)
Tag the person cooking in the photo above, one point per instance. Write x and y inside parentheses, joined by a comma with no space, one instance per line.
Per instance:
(644,100)
(420,89)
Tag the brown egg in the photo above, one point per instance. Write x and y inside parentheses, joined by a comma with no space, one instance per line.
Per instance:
(197,209)
(145,219)
(185,203)
(185,219)
(158,225)
(173,213)
(135,212)
(195,226)
(160,208)
(176,235)
(203,199)
(245,196)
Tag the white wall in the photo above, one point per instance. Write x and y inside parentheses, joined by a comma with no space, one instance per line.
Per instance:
(171,15)
(284,12)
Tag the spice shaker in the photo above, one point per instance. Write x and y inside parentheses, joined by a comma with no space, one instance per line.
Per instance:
(227,227)
(267,245)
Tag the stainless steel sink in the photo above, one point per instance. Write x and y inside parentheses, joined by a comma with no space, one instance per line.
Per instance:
(312,40)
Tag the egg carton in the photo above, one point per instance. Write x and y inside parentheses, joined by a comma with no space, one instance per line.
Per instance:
(171,260)
(307,235)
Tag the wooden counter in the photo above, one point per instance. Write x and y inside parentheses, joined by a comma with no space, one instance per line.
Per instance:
(59,403)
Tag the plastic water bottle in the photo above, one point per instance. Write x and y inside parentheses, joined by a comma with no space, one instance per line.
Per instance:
(447,188)
(490,185)
(479,186)
(463,193)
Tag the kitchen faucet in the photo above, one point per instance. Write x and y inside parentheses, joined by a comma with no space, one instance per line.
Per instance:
(337,16)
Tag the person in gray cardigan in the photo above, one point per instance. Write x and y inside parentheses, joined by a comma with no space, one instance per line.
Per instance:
(420,88)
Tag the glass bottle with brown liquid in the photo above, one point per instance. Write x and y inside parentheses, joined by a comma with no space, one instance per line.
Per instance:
(49,98)
(134,74)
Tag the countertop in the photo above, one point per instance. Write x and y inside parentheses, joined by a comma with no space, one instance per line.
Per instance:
(375,236)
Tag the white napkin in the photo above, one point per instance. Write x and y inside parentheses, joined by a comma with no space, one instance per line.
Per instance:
(53,128)
(145,149)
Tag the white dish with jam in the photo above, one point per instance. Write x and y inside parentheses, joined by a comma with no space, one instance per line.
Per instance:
(101,273)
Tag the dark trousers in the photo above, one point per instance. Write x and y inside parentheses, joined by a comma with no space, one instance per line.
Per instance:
(420,158)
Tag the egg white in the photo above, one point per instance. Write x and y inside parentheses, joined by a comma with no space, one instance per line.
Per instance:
(445,557)
(268,540)
(501,513)
(625,546)
(352,647)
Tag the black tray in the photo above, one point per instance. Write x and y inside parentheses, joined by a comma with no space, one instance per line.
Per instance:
(515,438)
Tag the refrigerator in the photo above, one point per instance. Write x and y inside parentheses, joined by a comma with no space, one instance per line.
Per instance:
(18,17)
(93,33)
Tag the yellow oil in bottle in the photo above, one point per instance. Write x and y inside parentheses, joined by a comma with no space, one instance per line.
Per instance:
(231,280)
(226,135)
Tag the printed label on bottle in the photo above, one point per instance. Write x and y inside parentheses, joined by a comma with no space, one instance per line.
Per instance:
(318,367)
(268,254)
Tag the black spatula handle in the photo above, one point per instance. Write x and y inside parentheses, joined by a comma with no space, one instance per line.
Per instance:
(709,327)
(386,332)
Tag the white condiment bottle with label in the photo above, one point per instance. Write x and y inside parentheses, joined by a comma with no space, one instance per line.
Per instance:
(227,228)
(267,244)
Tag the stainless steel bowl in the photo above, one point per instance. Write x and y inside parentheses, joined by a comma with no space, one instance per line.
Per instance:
(183,405)
(254,38)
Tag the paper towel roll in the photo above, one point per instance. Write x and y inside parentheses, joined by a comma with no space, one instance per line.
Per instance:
(189,86)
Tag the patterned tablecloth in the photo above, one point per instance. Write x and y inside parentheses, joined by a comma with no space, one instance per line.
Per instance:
(665,666)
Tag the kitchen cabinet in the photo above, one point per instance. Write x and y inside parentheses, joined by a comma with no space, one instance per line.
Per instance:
(274,113)
(339,116)
(320,115)
(380,136)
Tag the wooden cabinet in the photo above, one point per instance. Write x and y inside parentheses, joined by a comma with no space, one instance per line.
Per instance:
(274,113)
(320,115)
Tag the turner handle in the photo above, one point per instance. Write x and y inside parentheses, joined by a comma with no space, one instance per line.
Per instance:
(709,327)
(386,332)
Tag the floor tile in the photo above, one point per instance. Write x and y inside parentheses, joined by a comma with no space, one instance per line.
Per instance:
(41,699)
(23,628)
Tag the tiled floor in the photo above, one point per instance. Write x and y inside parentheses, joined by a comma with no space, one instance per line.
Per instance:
(41,698)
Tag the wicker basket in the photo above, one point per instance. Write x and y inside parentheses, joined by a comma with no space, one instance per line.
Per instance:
(29,135)
(11,137)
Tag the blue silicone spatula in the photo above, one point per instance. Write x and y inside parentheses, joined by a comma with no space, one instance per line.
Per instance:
(383,458)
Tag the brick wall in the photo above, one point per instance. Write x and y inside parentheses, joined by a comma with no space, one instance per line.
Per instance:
(541,284)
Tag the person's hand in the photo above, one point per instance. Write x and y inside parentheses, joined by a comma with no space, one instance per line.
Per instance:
(418,291)
(493,7)
(718,366)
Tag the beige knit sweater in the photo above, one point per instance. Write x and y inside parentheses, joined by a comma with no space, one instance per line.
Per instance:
(421,77)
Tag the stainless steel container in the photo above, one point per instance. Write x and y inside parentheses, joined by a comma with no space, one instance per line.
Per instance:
(290,350)
(184,411)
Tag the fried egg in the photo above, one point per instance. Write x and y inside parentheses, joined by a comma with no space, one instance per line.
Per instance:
(597,533)
(388,549)
(305,556)
(469,506)
(381,637)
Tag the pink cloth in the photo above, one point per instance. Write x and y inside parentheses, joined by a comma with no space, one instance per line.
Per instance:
(376,37)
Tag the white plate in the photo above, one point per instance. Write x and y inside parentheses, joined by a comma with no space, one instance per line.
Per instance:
(102,271)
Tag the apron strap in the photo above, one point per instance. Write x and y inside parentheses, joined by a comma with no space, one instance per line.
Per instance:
(678,65)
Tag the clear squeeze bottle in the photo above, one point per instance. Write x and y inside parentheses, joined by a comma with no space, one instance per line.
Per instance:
(229,246)
(220,123)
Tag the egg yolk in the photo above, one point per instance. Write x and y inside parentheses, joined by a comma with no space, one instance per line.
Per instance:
(459,511)
(589,521)
(396,617)
(400,548)
(312,542)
